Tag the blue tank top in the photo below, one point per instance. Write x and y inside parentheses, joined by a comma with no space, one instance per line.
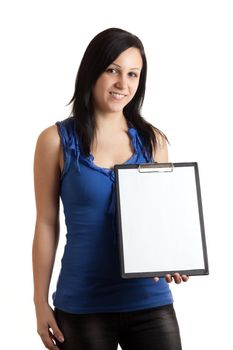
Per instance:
(90,279)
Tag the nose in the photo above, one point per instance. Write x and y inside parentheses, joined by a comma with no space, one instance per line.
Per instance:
(121,82)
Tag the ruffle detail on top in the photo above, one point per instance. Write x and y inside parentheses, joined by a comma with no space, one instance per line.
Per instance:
(67,132)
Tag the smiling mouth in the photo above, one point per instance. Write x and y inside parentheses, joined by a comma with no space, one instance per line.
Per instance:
(117,95)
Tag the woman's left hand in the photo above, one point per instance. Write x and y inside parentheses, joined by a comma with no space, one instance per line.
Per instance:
(176,277)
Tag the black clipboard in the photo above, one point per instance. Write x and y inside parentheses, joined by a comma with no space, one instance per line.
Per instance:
(160,220)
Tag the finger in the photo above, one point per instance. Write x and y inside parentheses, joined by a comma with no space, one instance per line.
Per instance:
(185,278)
(48,342)
(56,332)
(177,278)
(156,279)
(54,340)
(168,278)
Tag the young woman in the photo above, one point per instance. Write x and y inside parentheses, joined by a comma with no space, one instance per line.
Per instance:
(94,308)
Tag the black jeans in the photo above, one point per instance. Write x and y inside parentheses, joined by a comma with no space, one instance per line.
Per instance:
(147,329)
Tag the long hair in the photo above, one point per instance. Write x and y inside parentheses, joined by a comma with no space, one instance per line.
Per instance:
(103,49)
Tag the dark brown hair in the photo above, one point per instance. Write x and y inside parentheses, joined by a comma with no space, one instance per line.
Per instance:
(103,49)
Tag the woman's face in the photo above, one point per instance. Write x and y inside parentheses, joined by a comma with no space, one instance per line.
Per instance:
(116,87)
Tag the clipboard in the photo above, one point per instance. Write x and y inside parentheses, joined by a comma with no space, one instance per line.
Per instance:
(160,220)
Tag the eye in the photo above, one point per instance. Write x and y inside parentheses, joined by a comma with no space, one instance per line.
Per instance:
(133,75)
(111,70)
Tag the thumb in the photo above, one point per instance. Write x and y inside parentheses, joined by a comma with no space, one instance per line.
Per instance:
(57,333)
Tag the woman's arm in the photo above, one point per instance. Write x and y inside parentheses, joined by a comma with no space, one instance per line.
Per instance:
(46,183)
(160,155)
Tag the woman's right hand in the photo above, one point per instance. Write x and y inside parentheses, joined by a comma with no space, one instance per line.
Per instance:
(47,326)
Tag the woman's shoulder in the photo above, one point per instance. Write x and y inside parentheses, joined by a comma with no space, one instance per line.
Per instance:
(160,137)
(49,136)
(48,144)
(160,152)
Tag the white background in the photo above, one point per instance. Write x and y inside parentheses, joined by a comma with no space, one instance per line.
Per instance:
(189,97)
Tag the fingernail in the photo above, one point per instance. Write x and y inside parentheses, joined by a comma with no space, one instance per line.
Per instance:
(61,339)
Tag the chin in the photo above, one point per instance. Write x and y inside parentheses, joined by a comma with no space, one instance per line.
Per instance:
(116,110)
(117,107)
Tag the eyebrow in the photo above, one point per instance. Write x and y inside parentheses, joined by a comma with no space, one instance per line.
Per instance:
(129,68)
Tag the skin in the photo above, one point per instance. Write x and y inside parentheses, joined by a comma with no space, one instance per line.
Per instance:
(121,77)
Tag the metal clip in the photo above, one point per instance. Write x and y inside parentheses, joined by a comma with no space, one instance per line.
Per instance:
(156,167)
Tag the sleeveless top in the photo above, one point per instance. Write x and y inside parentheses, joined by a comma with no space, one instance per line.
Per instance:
(90,279)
